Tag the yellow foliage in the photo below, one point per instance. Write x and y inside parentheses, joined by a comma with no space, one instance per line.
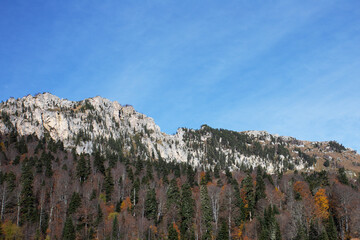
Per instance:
(322,204)
(103,197)
(2,146)
(112,215)
(11,231)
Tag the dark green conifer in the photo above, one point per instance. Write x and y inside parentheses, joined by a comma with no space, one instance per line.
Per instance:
(115,229)
(108,185)
(27,198)
(186,211)
(69,230)
(224,231)
(75,203)
(172,233)
(151,204)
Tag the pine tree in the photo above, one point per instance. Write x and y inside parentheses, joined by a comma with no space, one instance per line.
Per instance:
(331,228)
(99,162)
(115,229)
(172,233)
(342,176)
(223,232)
(206,211)
(301,234)
(69,230)
(151,204)
(186,211)
(260,185)
(108,185)
(27,198)
(75,203)
(248,186)
(82,169)
(313,233)
(99,217)
(173,194)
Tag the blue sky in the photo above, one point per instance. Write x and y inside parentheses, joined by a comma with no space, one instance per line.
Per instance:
(288,67)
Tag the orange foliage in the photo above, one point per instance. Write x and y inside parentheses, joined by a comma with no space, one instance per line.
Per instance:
(153,229)
(109,209)
(322,204)
(202,175)
(238,232)
(176,229)
(126,204)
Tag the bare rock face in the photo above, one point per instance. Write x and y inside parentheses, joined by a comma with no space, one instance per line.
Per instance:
(88,124)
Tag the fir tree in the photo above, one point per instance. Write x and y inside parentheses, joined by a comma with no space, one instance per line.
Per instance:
(173,194)
(115,229)
(331,228)
(172,233)
(99,162)
(99,217)
(223,232)
(69,230)
(108,185)
(248,186)
(260,185)
(27,198)
(206,211)
(82,169)
(151,204)
(186,211)
(75,203)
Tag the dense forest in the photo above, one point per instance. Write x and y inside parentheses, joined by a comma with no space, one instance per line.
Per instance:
(48,192)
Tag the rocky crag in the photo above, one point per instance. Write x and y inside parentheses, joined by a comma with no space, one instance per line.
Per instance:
(100,124)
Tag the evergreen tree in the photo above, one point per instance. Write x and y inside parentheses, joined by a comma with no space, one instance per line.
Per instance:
(99,162)
(342,176)
(224,231)
(301,234)
(260,185)
(115,229)
(108,185)
(27,198)
(313,232)
(172,233)
(151,204)
(99,217)
(216,171)
(269,227)
(248,187)
(69,230)
(173,194)
(75,203)
(186,211)
(323,236)
(331,228)
(82,170)
(206,212)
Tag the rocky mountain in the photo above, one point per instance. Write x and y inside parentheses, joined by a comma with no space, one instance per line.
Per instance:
(95,169)
(100,124)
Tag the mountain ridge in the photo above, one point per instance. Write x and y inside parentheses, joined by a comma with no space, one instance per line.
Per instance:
(87,124)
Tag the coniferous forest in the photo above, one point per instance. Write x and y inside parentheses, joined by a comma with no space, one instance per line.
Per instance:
(47,192)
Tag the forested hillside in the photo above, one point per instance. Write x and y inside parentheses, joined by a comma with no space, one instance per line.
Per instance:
(50,192)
